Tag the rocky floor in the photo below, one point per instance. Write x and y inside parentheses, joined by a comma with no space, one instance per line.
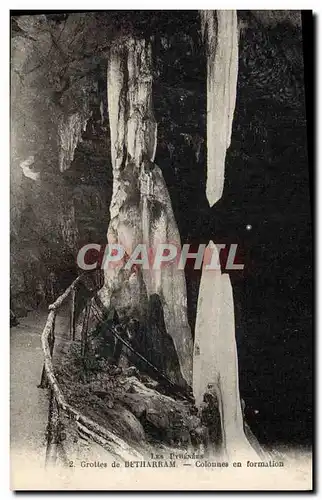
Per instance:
(29,413)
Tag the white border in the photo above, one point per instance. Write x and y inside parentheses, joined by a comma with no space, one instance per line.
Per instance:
(4,184)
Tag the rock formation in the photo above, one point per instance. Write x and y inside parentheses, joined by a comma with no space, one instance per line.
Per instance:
(57,62)
(141,211)
(215,365)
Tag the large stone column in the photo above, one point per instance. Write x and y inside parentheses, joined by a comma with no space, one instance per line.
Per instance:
(140,209)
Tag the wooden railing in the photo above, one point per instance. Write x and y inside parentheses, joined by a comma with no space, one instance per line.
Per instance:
(58,406)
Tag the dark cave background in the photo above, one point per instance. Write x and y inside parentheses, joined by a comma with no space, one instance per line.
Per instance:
(267,187)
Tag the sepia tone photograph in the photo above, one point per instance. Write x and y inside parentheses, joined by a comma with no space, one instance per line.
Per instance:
(161,283)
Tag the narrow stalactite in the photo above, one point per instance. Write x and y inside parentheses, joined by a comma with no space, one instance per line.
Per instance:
(140,209)
(220,33)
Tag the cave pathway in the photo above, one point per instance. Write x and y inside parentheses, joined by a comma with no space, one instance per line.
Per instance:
(28,403)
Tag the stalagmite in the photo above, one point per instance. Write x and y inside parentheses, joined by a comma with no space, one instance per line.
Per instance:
(215,365)
(221,37)
(140,209)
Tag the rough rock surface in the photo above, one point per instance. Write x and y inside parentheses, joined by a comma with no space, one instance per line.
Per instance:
(140,209)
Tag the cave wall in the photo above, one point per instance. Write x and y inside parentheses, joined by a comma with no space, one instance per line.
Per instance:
(59,166)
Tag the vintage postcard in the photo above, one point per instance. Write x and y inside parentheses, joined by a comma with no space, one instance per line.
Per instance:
(161,250)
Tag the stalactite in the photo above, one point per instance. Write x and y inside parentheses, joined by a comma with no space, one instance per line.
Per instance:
(221,38)
(69,135)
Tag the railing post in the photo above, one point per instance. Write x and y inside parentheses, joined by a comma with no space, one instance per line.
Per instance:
(53,431)
(52,336)
(43,381)
(51,341)
(85,329)
(101,278)
(72,315)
